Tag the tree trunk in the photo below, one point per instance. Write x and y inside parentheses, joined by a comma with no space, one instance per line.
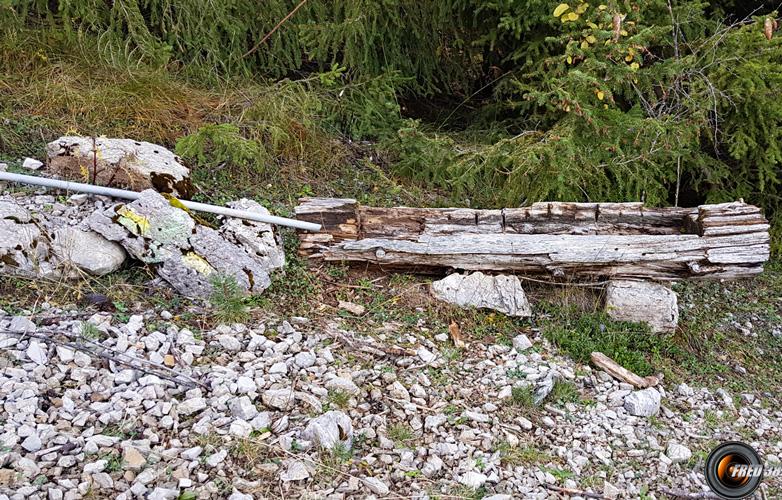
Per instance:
(563,240)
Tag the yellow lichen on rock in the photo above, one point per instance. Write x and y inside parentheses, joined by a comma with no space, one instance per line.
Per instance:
(195,261)
(137,224)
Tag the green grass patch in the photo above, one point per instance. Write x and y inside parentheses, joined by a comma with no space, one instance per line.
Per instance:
(564,391)
(523,396)
(522,455)
(401,434)
(338,398)
(630,344)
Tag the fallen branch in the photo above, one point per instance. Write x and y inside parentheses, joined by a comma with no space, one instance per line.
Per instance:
(574,492)
(369,347)
(110,354)
(686,494)
(619,372)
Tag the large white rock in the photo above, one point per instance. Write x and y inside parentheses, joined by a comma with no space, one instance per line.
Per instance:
(257,239)
(501,293)
(642,302)
(643,403)
(330,429)
(87,250)
(126,163)
(46,246)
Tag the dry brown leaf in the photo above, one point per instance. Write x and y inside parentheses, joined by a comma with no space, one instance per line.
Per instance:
(456,334)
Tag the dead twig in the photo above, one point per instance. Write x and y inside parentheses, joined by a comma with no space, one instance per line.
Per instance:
(369,347)
(269,34)
(685,494)
(574,492)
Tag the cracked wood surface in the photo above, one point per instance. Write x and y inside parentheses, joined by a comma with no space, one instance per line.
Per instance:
(563,240)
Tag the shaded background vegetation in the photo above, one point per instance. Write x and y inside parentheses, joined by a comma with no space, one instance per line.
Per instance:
(474,102)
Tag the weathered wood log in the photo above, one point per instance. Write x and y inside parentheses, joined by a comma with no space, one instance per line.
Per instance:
(563,240)
(623,374)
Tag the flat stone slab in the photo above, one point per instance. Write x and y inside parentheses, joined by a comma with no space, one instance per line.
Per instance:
(501,293)
(642,302)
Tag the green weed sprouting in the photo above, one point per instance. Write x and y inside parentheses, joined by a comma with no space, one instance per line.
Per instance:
(227,299)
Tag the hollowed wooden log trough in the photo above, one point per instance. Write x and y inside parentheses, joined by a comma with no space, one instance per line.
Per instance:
(561,240)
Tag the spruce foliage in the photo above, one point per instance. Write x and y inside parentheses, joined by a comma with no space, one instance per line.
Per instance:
(514,101)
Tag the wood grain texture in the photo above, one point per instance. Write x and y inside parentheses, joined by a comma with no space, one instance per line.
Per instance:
(563,240)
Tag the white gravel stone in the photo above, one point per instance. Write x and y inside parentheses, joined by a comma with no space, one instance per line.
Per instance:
(521,343)
(279,368)
(610,491)
(376,486)
(245,385)
(278,398)
(240,428)
(32,164)
(192,453)
(229,342)
(426,355)
(93,467)
(163,494)
(217,458)
(238,495)
(434,421)
(36,351)
(343,384)
(190,406)
(473,479)
(330,429)
(21,324)
(678,453)
(296,471)
(305,359)
(125,376)
(32,443)
(243,408)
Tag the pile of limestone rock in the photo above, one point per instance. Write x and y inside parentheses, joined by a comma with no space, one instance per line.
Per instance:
(47,236)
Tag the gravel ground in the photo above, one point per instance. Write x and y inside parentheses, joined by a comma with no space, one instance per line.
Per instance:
(301,409)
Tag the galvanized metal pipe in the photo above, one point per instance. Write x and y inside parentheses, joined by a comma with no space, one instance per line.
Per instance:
(132,195)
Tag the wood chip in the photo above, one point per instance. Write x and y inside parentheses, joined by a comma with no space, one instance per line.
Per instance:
(355,309)
(456,335)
